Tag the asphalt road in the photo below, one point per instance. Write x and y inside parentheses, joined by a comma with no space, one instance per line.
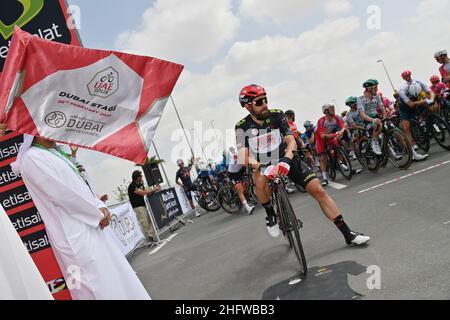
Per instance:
(223,256)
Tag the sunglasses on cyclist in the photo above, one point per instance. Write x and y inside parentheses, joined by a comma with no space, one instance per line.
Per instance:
(260,102)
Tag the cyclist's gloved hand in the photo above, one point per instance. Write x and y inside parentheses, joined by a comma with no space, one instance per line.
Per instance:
(269,171)
(429,101)
(284,166)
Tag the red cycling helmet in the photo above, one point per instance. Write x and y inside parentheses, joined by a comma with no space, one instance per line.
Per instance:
(434,79)
(406,73)
(249,93)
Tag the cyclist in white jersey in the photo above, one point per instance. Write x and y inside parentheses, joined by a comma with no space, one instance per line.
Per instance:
(371,109)
(236,171)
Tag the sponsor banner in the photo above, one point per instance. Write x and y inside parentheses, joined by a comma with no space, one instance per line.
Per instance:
(19,206)
(124,228)
(10,147)
(102,100)
(165,207)
(14,198)
(36,241)
(7,177)
(184,201)
(26,219)
(47,19)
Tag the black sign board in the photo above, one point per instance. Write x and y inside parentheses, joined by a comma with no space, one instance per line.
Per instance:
(165,207)
(152,174)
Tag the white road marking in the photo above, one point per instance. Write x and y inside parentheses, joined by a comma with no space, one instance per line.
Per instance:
(404,177)
(294,281)
(393,204)
(164,242)
(446,223)
(171,237)
(337,186)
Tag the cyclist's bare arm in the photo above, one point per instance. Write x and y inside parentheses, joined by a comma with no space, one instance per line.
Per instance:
(431,95)
(353,125)
(291,146)
(246,159)
(365,117)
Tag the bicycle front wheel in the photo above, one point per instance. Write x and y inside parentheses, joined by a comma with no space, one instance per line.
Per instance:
(420,135)
(343,163)
(440,130)
(229,199)
(211,201)
(331,167)
(291,226)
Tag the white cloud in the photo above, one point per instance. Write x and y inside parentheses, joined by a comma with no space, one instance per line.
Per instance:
(301,72)
(182,31)
(337,7)
(278,11)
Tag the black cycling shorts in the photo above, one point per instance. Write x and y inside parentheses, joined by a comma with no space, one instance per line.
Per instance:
(236,177)
(300,173)
(188,189)
(407,113)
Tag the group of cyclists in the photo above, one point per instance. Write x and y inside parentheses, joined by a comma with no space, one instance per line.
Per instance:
(270,143)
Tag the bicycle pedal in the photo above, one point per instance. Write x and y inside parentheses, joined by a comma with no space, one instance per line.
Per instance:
(300,223)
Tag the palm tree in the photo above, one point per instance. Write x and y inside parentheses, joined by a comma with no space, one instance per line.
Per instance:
(152,161)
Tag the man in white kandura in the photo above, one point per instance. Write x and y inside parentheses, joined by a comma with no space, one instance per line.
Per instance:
(92,264)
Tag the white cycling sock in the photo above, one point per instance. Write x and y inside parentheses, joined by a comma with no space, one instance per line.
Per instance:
(324,175)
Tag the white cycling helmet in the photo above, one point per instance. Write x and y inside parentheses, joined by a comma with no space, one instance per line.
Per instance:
(414,90)
(179,161)
(326,107)
(440,53)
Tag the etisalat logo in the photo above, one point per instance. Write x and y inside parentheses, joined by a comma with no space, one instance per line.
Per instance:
(31,9)
(104,84)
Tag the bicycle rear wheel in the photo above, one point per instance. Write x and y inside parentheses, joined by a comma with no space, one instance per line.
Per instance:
(291,225)
(399,149)
(371,160)
(445,110)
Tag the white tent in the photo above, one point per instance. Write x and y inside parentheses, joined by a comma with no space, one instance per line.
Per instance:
(19,277)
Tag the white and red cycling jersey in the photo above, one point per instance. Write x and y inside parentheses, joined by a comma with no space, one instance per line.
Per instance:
(327,126)
(294,129)
(445,72)
(439,89)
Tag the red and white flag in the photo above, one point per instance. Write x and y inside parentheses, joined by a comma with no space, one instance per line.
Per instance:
(107,101)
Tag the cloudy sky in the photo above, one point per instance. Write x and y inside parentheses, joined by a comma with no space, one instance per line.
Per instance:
(304,52)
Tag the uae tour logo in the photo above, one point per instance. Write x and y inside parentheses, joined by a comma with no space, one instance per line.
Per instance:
(105,83)
(55,119)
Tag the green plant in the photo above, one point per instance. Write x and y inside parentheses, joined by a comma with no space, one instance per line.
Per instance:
(121,192)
